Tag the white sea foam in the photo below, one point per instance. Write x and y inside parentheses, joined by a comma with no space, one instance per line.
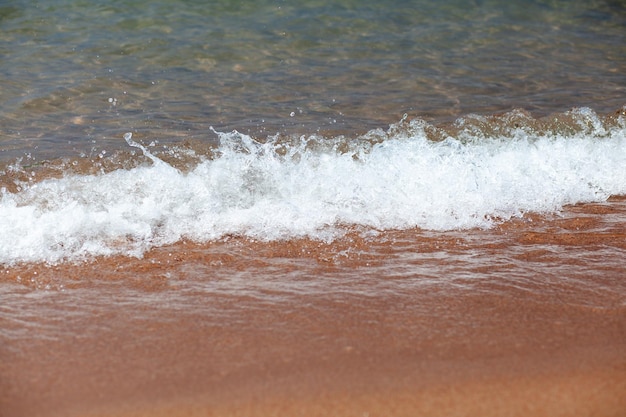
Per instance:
(309,188)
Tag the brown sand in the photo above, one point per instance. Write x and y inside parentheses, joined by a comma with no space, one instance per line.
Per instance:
(528,319)
(291,364)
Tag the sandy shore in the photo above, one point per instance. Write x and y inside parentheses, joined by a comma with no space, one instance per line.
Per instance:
(593,394)
(525,320)
(517,359)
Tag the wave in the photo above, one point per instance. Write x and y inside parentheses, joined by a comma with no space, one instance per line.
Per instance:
(473,173)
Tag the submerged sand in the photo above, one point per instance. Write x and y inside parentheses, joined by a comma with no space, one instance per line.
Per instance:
(528,319)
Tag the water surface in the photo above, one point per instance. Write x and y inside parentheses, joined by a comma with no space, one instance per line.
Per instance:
(77,74)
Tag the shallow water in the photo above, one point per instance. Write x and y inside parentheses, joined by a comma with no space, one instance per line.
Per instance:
(76,76)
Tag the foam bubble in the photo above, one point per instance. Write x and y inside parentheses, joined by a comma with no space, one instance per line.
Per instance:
(313,187)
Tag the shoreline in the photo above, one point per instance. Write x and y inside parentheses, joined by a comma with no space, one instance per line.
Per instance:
(528,318)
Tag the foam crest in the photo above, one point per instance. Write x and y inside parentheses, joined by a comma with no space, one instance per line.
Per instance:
(314,187)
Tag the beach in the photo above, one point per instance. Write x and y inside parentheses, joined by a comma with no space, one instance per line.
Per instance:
(312,208)
(242,328)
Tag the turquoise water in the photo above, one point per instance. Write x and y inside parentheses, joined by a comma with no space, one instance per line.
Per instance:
(77,74)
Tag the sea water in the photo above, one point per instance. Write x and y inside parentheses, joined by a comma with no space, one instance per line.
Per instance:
(76,75)
(315,188)
(284,109)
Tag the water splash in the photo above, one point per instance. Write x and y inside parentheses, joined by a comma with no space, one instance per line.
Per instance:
(308,186)
(155,160)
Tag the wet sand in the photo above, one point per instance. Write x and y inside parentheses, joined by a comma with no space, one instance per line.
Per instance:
(525,319)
